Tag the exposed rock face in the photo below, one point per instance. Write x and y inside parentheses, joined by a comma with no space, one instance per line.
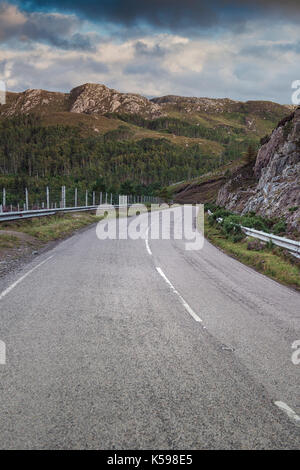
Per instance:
(88,99)
(33,101)
(98,99)
(277,170)
(193,104)
(221,105)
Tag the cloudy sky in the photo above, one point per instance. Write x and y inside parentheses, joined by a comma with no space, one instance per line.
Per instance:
(219,48)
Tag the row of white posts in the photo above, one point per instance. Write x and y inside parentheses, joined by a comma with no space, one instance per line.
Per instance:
(104,198)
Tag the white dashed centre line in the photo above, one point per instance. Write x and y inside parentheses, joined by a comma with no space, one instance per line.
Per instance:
(291,413)
(184,303)
(147,242)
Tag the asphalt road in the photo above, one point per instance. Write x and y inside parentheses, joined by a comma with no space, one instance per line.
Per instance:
(135,344)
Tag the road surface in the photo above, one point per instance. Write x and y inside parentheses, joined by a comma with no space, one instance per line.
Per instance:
(140,344)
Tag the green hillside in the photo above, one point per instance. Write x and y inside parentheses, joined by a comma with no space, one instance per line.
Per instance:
(45,140)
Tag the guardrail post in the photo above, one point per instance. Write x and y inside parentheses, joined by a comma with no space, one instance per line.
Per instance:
(75,197)
(26,199)
(86,197)
(4,197)
(47,198)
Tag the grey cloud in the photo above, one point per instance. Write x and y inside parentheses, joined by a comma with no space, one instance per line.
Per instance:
(173,14)
(54,29)
(144,50)
(272,50)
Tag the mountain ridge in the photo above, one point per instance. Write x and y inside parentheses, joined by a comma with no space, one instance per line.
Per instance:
(92,98)
(97,132)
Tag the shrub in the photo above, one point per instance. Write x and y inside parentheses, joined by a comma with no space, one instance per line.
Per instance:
(256,222)
(280,227)
(237,237)
(210,206)
(232,229)
(211,220)
(221,213)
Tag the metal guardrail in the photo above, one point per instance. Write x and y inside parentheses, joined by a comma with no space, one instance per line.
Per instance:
(20,215)
(291,245)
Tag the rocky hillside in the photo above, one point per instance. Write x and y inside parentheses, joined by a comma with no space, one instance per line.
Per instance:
(257,117)
(33,101)
(85,99)
(201,134)
(276,190)
(213,105)
(98,99)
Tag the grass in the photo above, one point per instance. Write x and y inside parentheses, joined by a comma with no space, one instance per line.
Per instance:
(87,123)
(8,241)
(54,227)
(270,261)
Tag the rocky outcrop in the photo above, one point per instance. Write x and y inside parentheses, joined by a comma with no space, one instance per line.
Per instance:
(276,192)
(86,99)
(93,99)
(98,99)
(193,104)
(38,101)
(263,109)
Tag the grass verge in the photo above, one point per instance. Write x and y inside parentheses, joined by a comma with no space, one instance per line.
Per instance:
(8,241)
(273,262)
(56,227)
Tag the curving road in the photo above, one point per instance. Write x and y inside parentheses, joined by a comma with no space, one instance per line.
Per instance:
(140,344)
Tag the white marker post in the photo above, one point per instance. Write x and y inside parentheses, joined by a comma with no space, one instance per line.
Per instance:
(47,198)
(2,92)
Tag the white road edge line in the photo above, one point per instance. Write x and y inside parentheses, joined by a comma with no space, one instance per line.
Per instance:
(10,288)
(291,413)
(184,303)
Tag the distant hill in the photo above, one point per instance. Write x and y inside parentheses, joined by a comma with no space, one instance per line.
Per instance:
(96,132)
(174,115)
